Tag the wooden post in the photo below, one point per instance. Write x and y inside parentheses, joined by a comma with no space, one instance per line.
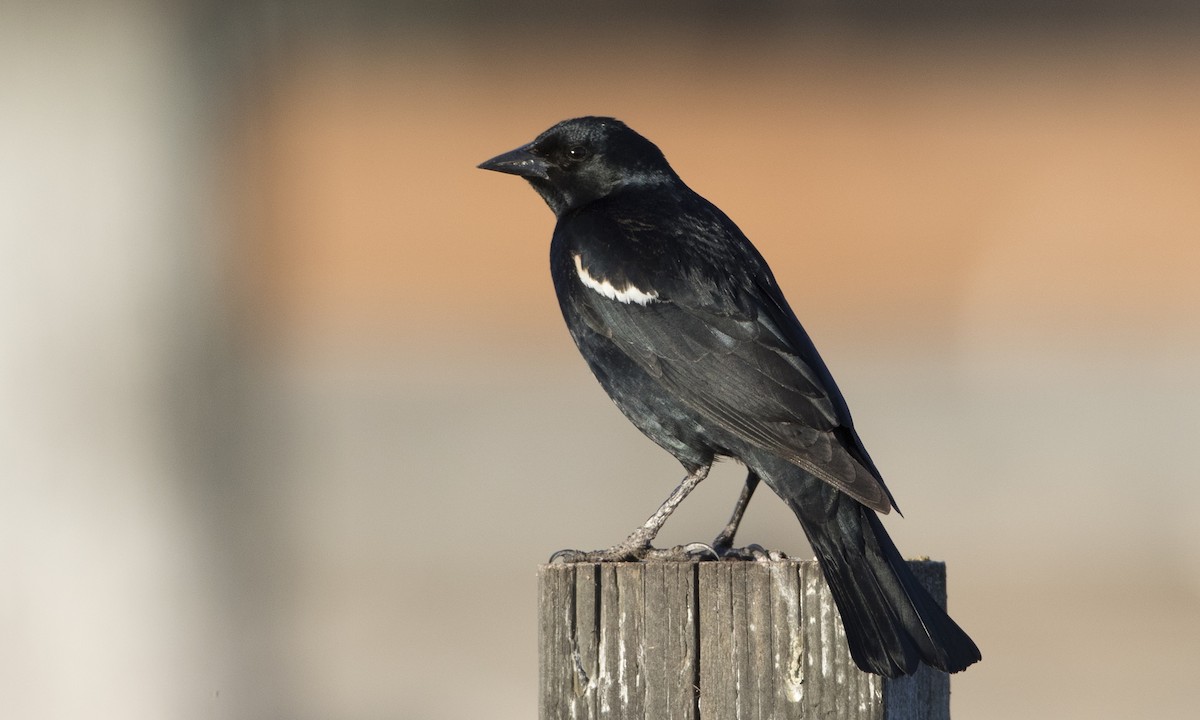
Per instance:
(713,641)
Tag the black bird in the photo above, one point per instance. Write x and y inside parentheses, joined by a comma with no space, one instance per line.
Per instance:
(683,324)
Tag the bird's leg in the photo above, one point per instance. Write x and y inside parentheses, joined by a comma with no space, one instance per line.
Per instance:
(724,541)
(723,547)
(637,545)
(641,538)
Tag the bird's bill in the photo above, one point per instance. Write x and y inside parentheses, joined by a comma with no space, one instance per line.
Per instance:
(518,162)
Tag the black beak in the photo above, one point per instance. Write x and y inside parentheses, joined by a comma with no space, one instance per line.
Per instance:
(519,162)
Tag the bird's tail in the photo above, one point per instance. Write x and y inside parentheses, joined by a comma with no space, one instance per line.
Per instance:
(891,622)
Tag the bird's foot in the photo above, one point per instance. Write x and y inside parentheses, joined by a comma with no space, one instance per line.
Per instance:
(626,552)
(692,552)
(755,552)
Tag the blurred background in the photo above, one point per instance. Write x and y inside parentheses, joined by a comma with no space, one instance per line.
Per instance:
(288,416)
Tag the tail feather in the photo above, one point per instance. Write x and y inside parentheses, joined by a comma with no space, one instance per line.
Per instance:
(878,642)
(892,623)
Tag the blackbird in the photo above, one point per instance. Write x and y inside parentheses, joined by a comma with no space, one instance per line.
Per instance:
(685,327)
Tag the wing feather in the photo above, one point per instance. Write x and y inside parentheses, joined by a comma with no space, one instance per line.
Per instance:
(718,335)
(737,369)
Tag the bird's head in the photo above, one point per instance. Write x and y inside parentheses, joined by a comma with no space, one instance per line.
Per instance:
(582,160)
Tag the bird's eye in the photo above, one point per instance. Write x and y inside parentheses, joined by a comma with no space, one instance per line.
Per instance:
(577,152)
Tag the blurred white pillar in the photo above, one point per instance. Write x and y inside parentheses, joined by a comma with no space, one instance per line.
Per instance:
(104,608)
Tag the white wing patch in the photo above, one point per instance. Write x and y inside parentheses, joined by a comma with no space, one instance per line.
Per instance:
(628,294)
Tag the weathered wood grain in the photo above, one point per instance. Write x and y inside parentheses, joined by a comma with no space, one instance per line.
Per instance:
(713,641)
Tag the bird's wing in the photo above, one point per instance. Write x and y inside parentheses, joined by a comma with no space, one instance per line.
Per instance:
(737,356)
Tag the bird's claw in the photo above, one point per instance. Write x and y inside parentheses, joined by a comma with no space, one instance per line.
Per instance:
(699,551)
(564,557)
(754,552)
